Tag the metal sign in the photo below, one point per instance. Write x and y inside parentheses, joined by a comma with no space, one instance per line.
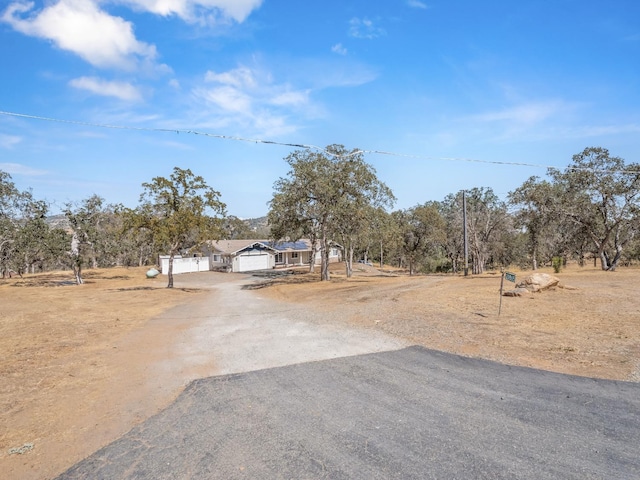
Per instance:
(511,277)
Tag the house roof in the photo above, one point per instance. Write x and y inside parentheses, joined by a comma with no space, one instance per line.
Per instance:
(231,247)
(299,246)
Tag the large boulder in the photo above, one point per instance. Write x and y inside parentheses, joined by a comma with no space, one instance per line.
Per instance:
(537,282)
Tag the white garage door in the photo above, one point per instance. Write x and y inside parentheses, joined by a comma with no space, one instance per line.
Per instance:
(253,262)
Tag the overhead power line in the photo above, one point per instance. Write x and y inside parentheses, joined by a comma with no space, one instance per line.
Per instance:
(294,145)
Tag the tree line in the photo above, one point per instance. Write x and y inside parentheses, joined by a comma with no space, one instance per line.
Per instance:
(589,211)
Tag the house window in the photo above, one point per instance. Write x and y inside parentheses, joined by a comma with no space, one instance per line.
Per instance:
(216,258)
(294,254)
(278,257)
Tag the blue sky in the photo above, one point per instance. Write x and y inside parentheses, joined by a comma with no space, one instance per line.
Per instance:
(431,80)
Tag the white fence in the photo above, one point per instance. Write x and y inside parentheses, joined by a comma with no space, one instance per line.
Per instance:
(184,265)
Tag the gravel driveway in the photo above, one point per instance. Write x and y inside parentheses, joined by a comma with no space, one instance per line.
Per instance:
(334,408)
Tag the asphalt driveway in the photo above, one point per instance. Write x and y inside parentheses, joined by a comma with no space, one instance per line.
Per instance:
(409,413)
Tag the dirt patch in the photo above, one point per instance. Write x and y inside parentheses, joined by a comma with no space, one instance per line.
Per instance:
(590,329)
(63,369)
(80,363)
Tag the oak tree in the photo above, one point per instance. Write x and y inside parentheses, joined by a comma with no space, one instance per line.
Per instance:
(182,212)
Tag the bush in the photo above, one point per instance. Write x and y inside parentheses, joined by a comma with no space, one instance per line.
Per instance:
(556,263)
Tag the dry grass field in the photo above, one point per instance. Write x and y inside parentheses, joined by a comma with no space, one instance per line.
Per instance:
(60,347)
(591,328)
(65,346)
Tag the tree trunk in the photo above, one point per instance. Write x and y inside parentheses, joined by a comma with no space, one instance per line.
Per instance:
(381,256)
(324,253)
(604,260)
(76,260)
(170,272)
(77,271)
(312,260)
(324,267)
(349,260)
(534,254)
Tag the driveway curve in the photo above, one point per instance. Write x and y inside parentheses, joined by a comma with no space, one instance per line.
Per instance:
(295,398)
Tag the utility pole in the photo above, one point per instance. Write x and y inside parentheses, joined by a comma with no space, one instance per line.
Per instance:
(464,234)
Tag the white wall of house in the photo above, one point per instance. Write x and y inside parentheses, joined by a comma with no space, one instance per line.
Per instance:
(335,255)
(254,259)
(292,258)
(184,265)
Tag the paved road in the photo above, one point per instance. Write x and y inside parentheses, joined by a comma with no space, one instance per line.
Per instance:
(409,413)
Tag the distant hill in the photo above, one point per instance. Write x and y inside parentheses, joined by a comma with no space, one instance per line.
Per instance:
(259,226)
(58,221)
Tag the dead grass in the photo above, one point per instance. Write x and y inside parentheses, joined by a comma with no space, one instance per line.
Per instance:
(65,369)
(591,329)
(58,342)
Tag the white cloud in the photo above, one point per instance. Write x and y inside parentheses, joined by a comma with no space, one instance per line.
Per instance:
(290,98)
(198,11)
(540,121)
(239,77)
(364,28)
(18,169)
(250,98)
(174,83)
(339,49)
(121,90)
(588,131)
(227,98)
(417,4)
(9,141)
(81,27)
(529,113)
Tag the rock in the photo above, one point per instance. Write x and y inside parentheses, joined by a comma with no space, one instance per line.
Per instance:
(517,292)
(538,282)
(152,273)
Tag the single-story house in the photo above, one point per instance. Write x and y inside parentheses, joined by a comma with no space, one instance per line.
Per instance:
(249,255)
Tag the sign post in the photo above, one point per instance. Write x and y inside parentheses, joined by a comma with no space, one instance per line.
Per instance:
(511,277)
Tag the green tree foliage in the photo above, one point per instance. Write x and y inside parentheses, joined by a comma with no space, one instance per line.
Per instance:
(237,229)
(488,228)
(324,196)
(423,232)
(181,212)
(601,196)
(95,238)
(536,215)
(23,230)
(380,236)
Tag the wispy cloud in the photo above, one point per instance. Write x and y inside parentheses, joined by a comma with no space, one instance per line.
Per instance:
(98,86)
(250,98)
(81,27)
(9,141)
(364,28)
(589,131)
(339,49)
(227,99)
(197,11)
(239,77)
(417,4)
(528,113)
(545,120)
(290,98)
(18,169)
